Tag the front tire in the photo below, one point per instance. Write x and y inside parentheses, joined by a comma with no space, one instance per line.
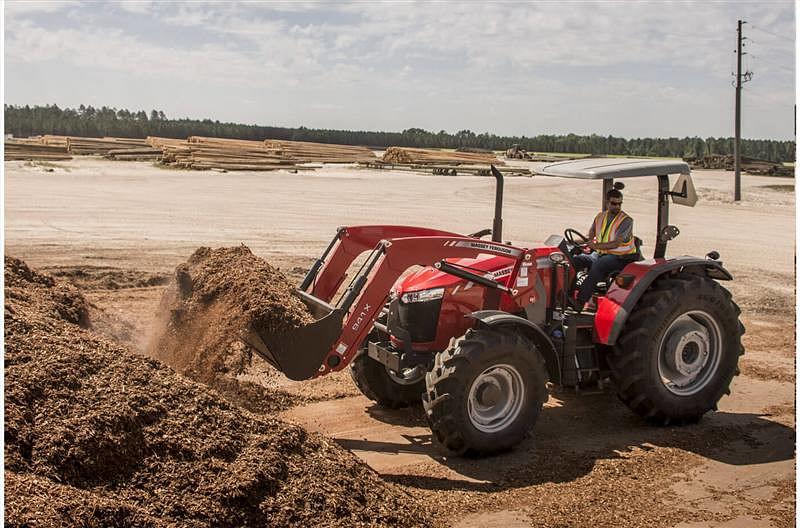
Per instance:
(386,388)
(485,392)
(679,350)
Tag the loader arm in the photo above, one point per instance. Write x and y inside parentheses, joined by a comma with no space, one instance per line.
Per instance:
(330,270)
(331,342)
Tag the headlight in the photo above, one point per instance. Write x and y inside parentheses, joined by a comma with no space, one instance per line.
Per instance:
(422,296)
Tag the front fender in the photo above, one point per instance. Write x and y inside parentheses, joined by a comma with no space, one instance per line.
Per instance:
(614,307)
(495,318)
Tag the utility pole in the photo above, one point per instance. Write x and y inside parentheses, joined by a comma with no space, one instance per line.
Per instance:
(737,142)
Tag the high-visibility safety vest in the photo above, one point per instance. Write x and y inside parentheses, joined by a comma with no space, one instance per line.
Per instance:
(607,232)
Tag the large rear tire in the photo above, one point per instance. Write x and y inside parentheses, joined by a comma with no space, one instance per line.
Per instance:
(679,350)
(384,387)
(485,392)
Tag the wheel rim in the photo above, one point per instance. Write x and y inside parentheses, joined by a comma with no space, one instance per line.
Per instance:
(408,376)
(495,398)
(689,353)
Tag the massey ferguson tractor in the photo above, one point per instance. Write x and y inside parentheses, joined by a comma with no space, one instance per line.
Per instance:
(482,327)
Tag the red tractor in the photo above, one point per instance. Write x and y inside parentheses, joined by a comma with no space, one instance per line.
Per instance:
(483,326)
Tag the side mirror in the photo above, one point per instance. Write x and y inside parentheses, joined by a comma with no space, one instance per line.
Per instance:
(668,233)
(683,192)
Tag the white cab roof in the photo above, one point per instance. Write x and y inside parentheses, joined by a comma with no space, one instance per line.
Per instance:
(605,168)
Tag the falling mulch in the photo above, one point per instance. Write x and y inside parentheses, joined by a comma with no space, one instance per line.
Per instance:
(97,436)
(215,297)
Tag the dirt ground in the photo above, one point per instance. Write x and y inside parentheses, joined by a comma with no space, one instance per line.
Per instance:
(117,230)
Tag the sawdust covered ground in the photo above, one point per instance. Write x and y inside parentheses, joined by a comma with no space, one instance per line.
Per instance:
(97,436)
(590,460)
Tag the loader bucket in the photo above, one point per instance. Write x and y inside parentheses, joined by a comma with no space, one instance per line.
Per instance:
(299,353)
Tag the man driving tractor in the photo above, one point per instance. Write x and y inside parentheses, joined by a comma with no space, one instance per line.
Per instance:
(611,244)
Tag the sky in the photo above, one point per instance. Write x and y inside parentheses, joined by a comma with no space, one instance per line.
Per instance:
(628,69)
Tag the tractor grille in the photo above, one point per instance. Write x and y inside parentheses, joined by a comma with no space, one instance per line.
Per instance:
(418,319)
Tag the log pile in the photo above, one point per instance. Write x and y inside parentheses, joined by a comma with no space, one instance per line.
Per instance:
(47,139)
(134,154)
(27,149)
(202,153)
(749,165)
(306,152)
(85,145)
(447,170)
(80,145)
(406,155)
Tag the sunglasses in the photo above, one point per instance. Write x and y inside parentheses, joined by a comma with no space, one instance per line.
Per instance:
(612,202)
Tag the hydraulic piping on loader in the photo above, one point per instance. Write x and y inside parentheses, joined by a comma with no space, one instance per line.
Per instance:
(306,351)
(299,353)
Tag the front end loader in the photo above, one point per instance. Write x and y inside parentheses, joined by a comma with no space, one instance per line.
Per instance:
(481,327)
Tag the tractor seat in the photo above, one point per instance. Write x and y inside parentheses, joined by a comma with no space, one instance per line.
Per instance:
(602,286)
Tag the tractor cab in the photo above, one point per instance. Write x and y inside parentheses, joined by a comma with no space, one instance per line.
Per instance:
(611,171)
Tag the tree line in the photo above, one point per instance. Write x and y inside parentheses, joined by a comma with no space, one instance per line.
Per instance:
(87,121)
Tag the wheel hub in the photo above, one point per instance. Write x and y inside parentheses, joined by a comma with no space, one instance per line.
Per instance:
(496,397)
(689,353)
(489,394)
(408,376)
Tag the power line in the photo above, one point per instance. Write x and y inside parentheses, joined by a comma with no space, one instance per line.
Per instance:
(772,63)
(771,33)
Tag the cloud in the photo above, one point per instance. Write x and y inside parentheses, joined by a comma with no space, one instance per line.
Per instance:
(112,49)
(139,7)
(23,7)
(438,57)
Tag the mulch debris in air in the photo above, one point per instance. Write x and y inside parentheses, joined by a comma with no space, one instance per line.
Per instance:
(205,312)
(106,278)
(98,436)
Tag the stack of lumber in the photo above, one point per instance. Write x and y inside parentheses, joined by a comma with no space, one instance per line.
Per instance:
(47,139)
(162,142)
(80,145)
(447,170)
(405,155)
(26,149)
(215,153)
(532,156)
(749,165)
(135,154)
(306,152)
(85,145)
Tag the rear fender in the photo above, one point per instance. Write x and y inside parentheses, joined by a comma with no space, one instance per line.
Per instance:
(614,307)
(496,318)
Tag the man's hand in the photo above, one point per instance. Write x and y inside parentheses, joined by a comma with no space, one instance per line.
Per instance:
(604,245)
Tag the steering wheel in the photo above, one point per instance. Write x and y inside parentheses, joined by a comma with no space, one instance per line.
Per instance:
(574,237)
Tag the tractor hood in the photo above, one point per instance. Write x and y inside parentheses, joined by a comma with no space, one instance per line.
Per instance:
(429,277)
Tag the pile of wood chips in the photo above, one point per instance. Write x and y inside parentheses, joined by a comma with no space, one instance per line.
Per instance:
(98,436)
(405,155)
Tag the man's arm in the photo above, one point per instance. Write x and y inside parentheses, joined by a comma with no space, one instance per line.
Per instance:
(624,233)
